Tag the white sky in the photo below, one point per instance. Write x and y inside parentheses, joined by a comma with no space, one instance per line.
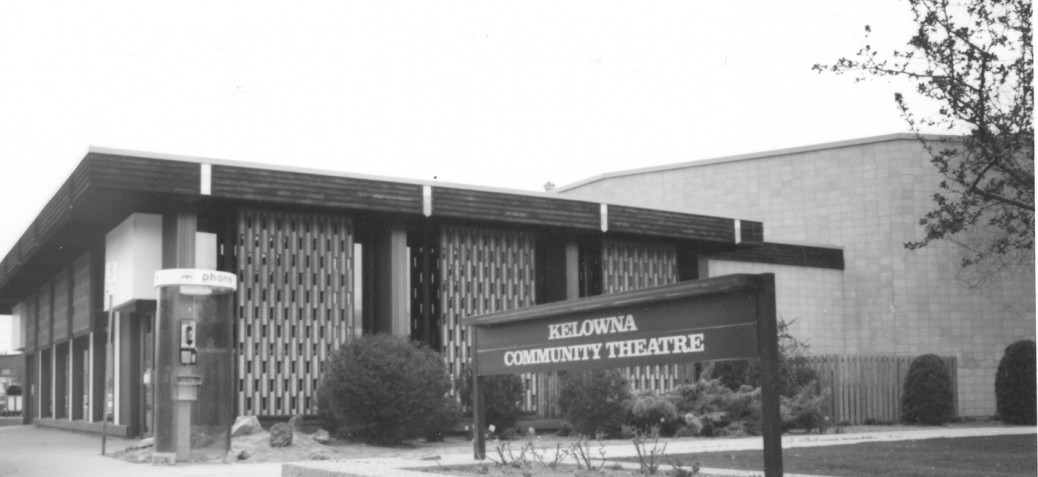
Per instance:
(506,94)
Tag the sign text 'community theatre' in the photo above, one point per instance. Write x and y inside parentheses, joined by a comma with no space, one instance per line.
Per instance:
(689,321)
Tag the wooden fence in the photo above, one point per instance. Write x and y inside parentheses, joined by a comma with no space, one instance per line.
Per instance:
(861,388)
(867,388)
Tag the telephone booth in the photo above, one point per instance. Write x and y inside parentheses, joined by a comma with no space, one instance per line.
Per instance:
(194,378)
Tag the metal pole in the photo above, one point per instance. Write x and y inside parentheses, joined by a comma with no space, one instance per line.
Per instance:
(478,405)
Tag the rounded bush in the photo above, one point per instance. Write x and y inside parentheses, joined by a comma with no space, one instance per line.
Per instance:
(503,394)
(16,390)
(1015,384)
(384,390)
(649,410)
(927,393)
(593,401)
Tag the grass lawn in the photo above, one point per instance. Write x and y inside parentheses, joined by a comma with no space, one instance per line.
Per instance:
(966,456)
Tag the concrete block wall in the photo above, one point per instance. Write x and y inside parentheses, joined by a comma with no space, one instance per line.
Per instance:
(809,299)
(866,196)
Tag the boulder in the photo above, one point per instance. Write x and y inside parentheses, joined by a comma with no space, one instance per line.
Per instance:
(142,444)
(317,454)
(245,425)
(296,422)
(281,435)
(321,436)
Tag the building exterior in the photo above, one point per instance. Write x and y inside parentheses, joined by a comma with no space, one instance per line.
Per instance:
(866,197)
(320,259)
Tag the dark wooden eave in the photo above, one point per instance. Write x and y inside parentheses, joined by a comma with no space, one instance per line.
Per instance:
(787,254)
(107,186)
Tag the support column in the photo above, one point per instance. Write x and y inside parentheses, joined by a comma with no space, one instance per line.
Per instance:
(39,384)
(703,264)
(89,379)
(572,270)
(392,287)
(53,350)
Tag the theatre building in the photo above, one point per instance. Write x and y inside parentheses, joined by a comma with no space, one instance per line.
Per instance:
(320,258)
(865,196)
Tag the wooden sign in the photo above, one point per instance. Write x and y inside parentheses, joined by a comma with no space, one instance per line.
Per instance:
(728,317)
(642,331)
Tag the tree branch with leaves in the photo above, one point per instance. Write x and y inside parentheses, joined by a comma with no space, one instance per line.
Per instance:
(975,60)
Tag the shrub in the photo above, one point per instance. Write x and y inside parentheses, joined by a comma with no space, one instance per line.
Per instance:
(718,409)
(443,420)
(804,410)
(649,409)
(1015,384)
(384,390)
(503,395)
(927,397)
(593,401)
(16,390)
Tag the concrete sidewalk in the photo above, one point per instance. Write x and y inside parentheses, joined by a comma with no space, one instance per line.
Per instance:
(28,451)
(397,467)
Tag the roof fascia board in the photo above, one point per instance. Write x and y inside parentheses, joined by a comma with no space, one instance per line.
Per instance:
(333,173)
(755,155)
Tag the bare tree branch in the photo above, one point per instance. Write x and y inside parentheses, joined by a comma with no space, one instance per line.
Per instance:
(977,62)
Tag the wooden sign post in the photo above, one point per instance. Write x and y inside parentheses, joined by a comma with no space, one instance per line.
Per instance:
(729,317)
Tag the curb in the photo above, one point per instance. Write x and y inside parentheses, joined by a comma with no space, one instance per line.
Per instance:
(406,467)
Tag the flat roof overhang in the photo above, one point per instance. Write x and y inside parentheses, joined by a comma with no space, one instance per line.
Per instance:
(109,185)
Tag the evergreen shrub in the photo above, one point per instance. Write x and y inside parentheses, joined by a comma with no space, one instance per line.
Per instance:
(1015,384)
(594,401)
(384,390)
(927,392)
(717,410)
(649,410)
(503,394)
(804,410)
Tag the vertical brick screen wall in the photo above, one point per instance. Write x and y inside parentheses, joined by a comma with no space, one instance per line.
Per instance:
(484,271)
(295,306)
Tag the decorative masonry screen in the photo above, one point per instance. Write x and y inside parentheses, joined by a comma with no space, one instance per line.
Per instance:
(295,306)
(483,271)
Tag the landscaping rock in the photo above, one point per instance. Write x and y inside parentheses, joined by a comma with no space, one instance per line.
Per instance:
(142,444)
(317,455)
(321,437)
(296,422)
(281,435)
(245,425)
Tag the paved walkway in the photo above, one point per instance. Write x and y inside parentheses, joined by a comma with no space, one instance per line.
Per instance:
(394,466)
(27,451)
